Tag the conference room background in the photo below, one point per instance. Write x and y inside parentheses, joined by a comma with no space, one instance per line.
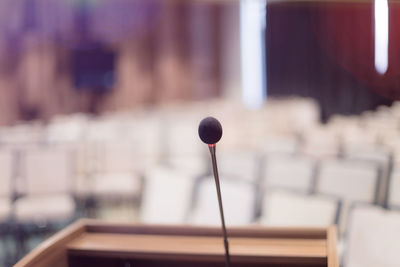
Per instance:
(100,101)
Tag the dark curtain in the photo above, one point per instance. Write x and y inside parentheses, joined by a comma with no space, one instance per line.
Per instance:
(307,44)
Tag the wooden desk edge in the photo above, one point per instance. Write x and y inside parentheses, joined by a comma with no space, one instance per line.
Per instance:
(254,231)
(55,243)
(332,247)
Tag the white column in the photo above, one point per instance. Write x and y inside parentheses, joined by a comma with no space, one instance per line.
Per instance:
(381,36)
(253,56)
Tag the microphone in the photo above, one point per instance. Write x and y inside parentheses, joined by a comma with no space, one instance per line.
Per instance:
(210,132)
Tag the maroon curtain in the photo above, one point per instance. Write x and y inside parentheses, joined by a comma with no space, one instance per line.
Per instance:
(346,33)
(325,50)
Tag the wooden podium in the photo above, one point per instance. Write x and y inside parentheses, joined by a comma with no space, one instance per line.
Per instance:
(95,243)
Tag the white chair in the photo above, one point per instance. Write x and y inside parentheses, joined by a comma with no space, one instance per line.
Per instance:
(166,196)
(372,238)
(291,114)
(116,185)
(182,139)
(282,208)
(320,142)
(351,181)
(196,164)
(380,123)
(47,175)
(115,173)
(394,147)
(117,156)
(374,153)
(69,128)
(280,144)
(147,133)
(348,179)
(289,172)
(394,188)
(116,195)
(21,135)
(42,209)
(183,147)
(304,112)
(6,180)
(356,136)
(87,163)
(102,130)
(238,198)
(377,155)
(6,191)
(239,164)
(251,130)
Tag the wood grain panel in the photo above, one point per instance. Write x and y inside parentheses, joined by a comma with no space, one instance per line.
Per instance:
(253,231)
(199,248)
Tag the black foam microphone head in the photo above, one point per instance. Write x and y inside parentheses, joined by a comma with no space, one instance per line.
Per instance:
(210,130)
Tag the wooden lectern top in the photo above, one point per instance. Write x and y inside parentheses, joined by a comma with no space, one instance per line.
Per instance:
(94,243)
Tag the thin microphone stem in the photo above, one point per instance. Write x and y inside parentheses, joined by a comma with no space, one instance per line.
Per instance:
(221,210)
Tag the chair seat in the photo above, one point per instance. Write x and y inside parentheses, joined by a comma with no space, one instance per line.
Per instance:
(44,208)
(116,184)
(5,209)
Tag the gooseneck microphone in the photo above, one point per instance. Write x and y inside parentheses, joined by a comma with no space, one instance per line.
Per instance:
(210,132)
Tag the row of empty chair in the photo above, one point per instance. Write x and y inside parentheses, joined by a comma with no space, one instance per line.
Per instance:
(36,173)
(336,177)
(39,180)
(173,136)
(278,166)
(166,200)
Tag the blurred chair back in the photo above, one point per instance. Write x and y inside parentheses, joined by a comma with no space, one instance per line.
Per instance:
(378,155)
(244,164)
(351,181)
(347,179)
(290,172)
(118,156)
(47,170)
(238,198)
(7,175)
(320,142)
(48,179)
(7,165)
(394,188)
(292,209)
(166,196)
(372,237)
(279,144)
